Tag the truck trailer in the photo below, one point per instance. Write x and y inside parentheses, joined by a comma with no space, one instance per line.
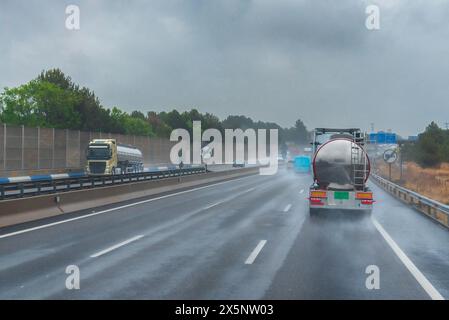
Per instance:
(341,168)
(107,157)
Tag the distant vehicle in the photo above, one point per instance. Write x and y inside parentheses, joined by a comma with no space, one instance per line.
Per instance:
(281,159)
(302,164)
(238,164)
(105,156)
(341,168)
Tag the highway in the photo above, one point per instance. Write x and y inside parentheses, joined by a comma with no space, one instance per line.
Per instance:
(248,238)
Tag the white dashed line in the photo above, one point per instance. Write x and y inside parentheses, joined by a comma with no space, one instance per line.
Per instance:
(119,208)
(287,207)
(118,245)
(302,190)
(255,252)
(226,200)
(213,205)
(422,280)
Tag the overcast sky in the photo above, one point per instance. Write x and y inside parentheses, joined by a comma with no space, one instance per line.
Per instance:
(275,60)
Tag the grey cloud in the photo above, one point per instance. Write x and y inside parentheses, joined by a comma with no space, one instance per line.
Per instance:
(271,60)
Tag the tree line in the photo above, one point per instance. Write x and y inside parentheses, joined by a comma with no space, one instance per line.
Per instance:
(431,148)
(53,100)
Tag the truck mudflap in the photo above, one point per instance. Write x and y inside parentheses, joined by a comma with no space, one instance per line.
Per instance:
(341,199)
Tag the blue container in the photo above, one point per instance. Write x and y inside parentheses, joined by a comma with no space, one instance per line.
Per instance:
(381,137)
(302,164)
(390,138)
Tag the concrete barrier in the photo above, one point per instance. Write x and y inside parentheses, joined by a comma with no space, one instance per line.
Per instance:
(431,208)
(28,209)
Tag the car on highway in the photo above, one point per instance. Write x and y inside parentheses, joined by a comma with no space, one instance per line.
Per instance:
(238,164)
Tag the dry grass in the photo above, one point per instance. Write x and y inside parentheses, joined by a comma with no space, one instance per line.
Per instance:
(430,182)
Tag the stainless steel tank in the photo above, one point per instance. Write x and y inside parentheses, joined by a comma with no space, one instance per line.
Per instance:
(129,155)
(341,164)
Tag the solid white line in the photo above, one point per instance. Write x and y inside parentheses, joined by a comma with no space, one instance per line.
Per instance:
(287,207)
(422,280)
(118,245)
(117,208)
(255,252)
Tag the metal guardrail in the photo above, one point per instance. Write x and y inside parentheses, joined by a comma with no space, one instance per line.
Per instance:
(432,208)
(15,190)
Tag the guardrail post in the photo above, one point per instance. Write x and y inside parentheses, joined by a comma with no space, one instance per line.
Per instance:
(429,207)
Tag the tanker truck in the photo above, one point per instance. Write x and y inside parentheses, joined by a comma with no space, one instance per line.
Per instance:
(106,156)
(341,168)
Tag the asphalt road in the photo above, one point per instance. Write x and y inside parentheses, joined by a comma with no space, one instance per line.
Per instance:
(249,238)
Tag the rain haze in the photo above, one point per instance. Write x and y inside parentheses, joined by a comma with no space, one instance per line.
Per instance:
(270,60)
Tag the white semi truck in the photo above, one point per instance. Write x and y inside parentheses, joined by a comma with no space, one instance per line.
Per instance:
(106,156)
(341,168)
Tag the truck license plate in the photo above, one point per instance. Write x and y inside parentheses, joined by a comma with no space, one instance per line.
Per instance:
(341,195)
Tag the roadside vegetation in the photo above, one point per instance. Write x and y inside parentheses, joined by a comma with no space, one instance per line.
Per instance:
(53,100)
(431,149)
(425,166)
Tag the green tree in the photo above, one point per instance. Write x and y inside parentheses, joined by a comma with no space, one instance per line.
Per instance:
(54,100)
(39,103)
(429,148)
(160,128)
(174,119)
(58,78)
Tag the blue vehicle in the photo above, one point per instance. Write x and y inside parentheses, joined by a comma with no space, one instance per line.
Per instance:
(302,164)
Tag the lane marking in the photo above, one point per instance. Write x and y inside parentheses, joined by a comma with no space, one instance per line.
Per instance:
(255,252)
(118,245)
(118,208)
(213,205)
(229,199)
(302,190)
(422,280)
(287,207)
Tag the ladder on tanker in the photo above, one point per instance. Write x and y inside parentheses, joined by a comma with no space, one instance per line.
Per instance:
(358,161)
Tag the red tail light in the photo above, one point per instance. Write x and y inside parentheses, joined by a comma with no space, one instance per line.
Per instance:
(316,201)
(367,201)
